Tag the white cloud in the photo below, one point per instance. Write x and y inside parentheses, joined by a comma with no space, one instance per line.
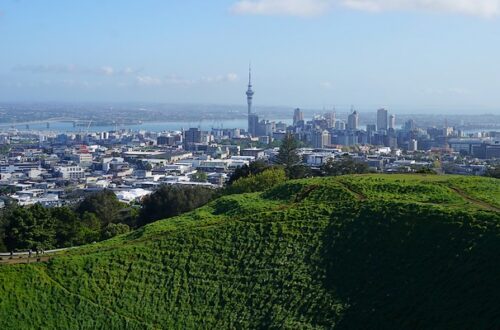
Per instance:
(305,8)
(230,77)
(282,7)
(174,79)
(148,81)
(485,8)
(107,70)
(73,69)
(456,91)
(327,85)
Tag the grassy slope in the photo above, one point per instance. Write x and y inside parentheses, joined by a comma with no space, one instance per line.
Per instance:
(347,252)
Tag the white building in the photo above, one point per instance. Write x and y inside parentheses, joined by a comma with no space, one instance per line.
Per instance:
(71,172)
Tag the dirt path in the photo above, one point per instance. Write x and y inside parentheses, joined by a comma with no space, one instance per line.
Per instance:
(23,260)
(359,196)
(475,201)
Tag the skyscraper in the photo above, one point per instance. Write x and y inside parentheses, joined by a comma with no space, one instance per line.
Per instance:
(410,125)
(298,116)
(330,119)
(353,121)
(392,121)
(253,124)
(382,120)
(320,138)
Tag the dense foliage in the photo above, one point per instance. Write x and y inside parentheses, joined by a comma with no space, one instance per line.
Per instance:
(349,252)
(494,172)
(103,204)
(288,157)
(244,171)
(346,165)
(258,182)
(172,200)
(96,218)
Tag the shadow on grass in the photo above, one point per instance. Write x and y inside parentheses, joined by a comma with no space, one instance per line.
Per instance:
(400,266)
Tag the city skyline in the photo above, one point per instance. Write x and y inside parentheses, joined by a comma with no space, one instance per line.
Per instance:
(314,54)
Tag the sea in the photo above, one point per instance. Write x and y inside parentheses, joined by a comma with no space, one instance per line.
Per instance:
(160,126)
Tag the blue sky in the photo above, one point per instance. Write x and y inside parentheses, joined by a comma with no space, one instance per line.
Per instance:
(408,55)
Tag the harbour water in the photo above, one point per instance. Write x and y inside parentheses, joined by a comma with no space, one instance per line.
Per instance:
(146,126)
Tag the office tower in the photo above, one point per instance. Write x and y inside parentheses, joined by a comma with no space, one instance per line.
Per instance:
(253,124)
(320,139)
(412,145)
(382,119)
(193,135)
(298,116)
(340,125)
(410,125)
(392,121)
(353,121)
(330,119)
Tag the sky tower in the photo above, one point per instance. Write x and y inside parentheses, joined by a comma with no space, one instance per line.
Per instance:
(253,119)
(249,90)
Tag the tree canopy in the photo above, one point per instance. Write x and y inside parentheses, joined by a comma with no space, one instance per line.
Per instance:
(258,182)
(288,157)
(346,165)
(104,204)
(170,200)
(244,171)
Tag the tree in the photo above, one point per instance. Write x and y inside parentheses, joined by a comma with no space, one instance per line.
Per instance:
(114,229)
(91,228)
(244,171)
(105,205)
(259,182)
(493,172)
(346,165)
(288,157)
(68,227)
(425,170)
(30,228)
(172,200)
(199,176)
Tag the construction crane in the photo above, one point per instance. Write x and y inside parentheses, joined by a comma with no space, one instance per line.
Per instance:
(88,128)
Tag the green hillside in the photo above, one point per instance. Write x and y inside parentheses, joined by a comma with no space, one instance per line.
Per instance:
(353,252)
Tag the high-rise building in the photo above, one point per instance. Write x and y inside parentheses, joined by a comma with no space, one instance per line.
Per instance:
(340,125)
(392,121)
(298,116)
(330,119)
(370,128)
(370,132)
(320,139)
(353,121)
(410,125)
(412,145)
(191,137)
(253,124)
(250,94)
(382,120)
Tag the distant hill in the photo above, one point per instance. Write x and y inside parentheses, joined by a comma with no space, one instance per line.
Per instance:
(353,252)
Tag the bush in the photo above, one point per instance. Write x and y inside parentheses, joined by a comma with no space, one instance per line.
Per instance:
(169,201)
(259,182)
(114,229)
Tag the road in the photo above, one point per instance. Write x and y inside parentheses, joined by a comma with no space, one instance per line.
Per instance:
(24,257)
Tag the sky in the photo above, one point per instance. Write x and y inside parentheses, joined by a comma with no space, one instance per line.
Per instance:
(407,55)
